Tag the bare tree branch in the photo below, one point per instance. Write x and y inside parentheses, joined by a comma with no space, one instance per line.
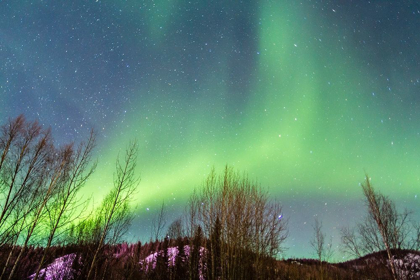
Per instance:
(159,223)
(114,207)
(252,229)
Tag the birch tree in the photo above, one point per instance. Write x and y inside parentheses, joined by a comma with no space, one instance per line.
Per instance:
(323,250)
(61,209)
(25,154)
(114,212)
(383,212)
(26,167)
(383,229)
(252,228)
(158,223)
(47,186)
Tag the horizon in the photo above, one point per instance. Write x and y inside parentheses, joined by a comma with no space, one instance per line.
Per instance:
(303,97)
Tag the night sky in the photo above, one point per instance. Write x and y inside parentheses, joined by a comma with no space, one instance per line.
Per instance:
(304,96)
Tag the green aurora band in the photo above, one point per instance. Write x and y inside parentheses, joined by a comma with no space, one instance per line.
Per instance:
(310,128)
(310,119)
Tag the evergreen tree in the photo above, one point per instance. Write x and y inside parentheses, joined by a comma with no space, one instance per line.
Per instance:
(195,255)
(180,270)
(214,251)
(161,269)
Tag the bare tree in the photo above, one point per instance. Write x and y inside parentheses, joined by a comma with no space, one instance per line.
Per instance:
(159,223)
(26,154)
(323,250)
(62,207)
(114,207)
(383,212)
(29,173)
(9,133)
(351,243)
(384,228)
(20,215)
(252,227)
(175,229)
(191,214)
(47,187)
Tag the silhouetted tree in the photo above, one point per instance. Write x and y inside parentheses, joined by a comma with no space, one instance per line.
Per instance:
(384,228)
(114,212)
(26,157)
(252,228)
(180,266)
(162,261)
(195,258)
(62,208)
(47,187)
(175,229)
(33,174)
(158,223)
(383,212)
(323,250)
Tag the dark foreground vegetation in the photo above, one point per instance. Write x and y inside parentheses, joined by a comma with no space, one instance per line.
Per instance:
(231,229)
(134,261)
(372,266)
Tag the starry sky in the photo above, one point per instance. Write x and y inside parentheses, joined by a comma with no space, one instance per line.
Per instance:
(304,96)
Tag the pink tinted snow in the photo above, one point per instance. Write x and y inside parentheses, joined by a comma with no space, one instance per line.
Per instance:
(60,269)
(172,253)
(408,267)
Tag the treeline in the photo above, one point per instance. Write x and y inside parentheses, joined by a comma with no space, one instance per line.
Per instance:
(119,261)
(231,229)
(148,261)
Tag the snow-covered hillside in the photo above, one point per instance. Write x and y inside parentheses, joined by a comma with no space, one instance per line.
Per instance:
(59,269)
(172,253)
(408,266)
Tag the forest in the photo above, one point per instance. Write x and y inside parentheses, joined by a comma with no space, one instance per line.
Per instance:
(231,227)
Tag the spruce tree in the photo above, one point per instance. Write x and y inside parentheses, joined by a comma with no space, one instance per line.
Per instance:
(214,251)
(195,255)
(180,271)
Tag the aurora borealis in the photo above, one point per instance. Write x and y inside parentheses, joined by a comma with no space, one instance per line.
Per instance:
(304,96)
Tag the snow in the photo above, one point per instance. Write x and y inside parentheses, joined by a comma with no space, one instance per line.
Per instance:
(408,267)
(60,269)
(172,253)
